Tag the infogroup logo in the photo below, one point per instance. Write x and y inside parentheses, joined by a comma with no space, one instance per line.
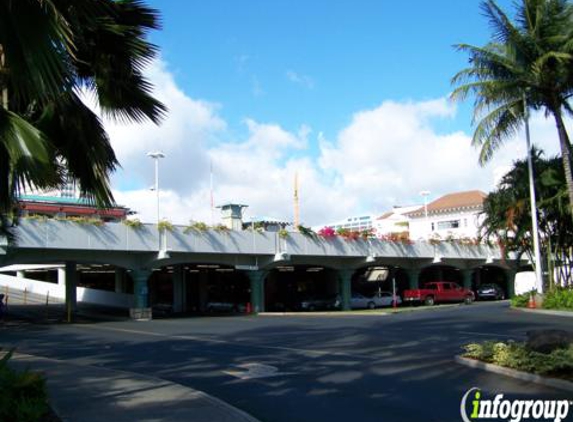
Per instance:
(474,407)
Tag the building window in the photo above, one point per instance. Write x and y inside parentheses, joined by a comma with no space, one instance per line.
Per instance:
(446,225)
(433,228)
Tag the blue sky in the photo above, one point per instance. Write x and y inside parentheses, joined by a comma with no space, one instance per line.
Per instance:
(351,95)
(348,55)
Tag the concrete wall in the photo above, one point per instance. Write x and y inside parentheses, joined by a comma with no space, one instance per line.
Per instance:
(113,237)
(57,292)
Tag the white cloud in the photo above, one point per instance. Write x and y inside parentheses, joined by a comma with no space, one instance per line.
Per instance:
(299,79)
(385,156)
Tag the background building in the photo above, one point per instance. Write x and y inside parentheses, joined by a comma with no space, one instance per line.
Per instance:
(395,221)
(453,215)
(357,223)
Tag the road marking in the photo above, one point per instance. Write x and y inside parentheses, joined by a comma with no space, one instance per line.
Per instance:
(255,370)
(234,343)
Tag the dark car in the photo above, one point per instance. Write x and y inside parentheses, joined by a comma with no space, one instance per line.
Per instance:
(490,291)
(315,304)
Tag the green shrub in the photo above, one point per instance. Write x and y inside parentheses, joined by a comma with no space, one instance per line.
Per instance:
(196,226)
(165,225)
(558,363)
(134,223)
(23,396)
(559,298)
(520,301)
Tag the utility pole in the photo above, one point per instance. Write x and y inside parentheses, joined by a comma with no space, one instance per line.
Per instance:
(533,203)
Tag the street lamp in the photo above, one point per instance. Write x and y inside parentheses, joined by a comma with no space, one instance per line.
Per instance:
(156,155)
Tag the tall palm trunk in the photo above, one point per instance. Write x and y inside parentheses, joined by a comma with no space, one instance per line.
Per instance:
(565,154)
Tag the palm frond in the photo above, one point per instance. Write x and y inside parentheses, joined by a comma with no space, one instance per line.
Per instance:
(80,140)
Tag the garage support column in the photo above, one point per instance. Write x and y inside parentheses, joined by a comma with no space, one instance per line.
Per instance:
(257,279)
(179,295)
(71,290)
(510,278)
(120,280)
(413,277)
(141,310)
(345,287)
(467,278)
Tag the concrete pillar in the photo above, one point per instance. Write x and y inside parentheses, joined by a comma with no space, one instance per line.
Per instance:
(71,277)
(21,274)
(413,277)
(179,293)
(510,279)
(345,287)
(61,276)
(257,279)
(120,280)
(467,278)
(141,310)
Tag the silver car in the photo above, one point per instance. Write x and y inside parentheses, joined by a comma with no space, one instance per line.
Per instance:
(358,301)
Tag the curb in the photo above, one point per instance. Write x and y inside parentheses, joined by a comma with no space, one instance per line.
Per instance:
(525,376)
(568,314)
(377,312)
(238,414)
(319,313)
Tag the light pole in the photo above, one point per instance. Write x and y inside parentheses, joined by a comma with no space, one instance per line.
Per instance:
(533,203)
(424,194)
(156,155)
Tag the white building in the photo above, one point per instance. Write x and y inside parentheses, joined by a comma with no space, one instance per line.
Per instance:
(395,221)
(357,223)
(454,215)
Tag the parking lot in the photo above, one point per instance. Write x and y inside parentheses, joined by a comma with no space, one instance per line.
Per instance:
(305,368)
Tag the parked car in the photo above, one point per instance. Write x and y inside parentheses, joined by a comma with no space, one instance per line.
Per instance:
(358,301)
(226,307)
(315,304)
(439,292)
(490,291)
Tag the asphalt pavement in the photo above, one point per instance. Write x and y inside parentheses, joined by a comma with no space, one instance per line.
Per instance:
(305,368)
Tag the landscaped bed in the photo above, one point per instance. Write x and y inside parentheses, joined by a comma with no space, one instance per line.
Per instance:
(556,364)
(23,396)
(557,299)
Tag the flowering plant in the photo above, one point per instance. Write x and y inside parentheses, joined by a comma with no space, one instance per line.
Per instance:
(402,237)
(327,232)
(348,234)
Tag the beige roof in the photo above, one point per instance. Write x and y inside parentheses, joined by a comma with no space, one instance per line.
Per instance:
(453,201)
(385,215)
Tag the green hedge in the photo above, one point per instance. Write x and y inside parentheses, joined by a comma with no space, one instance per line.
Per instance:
(558,363)
(558,298)
(520,301)
(23,396)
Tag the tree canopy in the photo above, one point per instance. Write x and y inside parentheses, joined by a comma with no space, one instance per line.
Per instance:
(527,65)
(52,52)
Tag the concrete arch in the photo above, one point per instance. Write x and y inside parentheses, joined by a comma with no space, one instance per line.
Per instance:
(493,274)
(441,272)
(299,287)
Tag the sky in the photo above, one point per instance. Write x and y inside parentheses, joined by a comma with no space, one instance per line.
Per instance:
(350,95)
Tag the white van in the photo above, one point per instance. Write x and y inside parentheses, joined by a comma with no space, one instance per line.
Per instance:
(524,282)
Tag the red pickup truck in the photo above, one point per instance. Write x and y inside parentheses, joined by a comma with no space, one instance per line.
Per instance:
(439,292)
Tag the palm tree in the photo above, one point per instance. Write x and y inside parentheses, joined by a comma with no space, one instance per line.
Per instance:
(527,65)
(51,51)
